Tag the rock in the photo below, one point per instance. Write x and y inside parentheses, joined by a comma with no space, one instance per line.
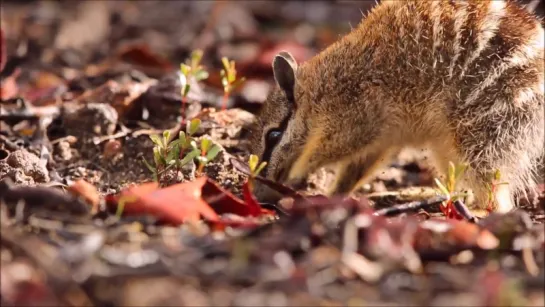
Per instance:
(94,119)
(24,168)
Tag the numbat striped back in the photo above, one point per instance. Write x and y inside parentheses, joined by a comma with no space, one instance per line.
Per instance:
(462,78)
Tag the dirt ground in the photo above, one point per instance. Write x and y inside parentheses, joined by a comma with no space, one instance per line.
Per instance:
(85,84)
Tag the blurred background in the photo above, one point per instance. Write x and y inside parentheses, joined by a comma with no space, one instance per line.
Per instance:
(65,36)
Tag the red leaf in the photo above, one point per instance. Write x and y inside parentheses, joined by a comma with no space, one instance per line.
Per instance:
(253,207)
(175,204)
(143,56)
(225,202)
(450,211)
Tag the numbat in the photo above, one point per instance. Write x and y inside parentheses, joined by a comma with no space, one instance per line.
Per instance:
(462,78)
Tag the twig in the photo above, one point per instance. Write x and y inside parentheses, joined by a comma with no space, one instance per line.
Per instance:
(49,198)
(9,145)
(30,113)
(464,211)
(140,132)
(410,206)
(99,139)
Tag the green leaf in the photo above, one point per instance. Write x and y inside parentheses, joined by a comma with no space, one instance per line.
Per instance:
(157,158)
(194,125)
(238,82)
(205,144)
(213,152)
(460,170)
(175,143)
(442,187)
(185,90)
(156,140)
(231,76)
(151,168)
(196,57)
(182,140)
(173,155)
(166,137)
(185,69)
(189,156)
(183,80)
(260,168)
(451,169)
(497,175)
(225,83)
(252,163)
(225,62)
(201,75)
(193,145)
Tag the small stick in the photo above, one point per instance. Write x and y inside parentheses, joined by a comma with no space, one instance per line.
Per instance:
(464,211)
(410,206)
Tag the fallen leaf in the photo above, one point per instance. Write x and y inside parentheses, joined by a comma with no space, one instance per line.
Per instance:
(175,204)
(141,55)
(436,235)
(86,191)
(119,96)
(224,201)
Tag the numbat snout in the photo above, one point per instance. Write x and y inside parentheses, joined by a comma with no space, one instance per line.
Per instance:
(462,78)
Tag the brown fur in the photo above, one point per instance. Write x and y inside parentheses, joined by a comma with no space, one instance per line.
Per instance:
(464,79)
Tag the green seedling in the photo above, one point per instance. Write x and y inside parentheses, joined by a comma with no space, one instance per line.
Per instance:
(208,152)
(448,188)
(255,169)
(122,202)
(192,70)
(229,79)
(179,152)
(491,188)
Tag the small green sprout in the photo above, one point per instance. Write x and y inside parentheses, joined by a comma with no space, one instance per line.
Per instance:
(188,71)
(179,152)
(453,174)
(229,79)
(448,189)
(208,152)
(491,188)
(255,169)
(122,202)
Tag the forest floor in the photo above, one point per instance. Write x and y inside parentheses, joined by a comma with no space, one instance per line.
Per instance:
(85,85)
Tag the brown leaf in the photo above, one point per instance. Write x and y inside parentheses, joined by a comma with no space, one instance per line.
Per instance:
(86,191)
(141,55)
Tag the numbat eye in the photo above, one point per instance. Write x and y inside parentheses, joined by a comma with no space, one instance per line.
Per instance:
(273,136)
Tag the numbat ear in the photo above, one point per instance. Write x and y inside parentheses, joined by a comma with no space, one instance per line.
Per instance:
(284,68)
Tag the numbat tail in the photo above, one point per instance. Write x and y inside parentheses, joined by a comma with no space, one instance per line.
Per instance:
(462,78)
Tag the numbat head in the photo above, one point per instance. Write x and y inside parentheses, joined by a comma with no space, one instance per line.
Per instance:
(464,79)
